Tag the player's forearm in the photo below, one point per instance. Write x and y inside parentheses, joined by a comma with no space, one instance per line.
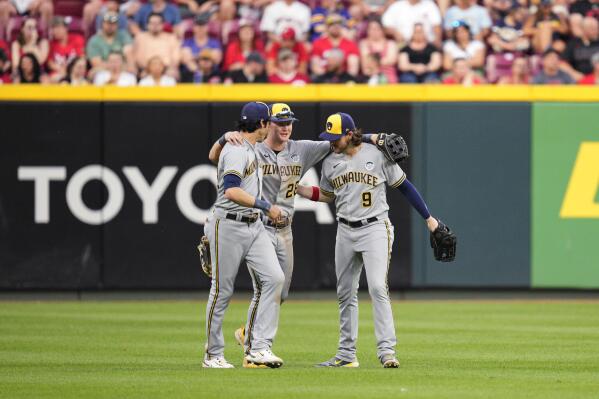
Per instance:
(240,197)
(215,151)
(314,193)
(415,199)
(369,138)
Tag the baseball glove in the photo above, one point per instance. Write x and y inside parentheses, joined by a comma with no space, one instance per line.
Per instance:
(443,243)
(393,146)
(204,250)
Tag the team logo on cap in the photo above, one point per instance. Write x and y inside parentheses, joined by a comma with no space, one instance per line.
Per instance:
(329,126)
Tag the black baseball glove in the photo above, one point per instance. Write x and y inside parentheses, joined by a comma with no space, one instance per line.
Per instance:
(393,146)
(443,243)
(204,250)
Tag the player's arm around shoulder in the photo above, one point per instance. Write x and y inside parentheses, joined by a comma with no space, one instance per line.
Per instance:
(234,138)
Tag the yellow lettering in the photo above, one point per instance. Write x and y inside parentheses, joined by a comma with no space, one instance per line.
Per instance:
(579,201)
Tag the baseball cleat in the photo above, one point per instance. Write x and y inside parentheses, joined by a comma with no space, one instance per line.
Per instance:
(217,362)
(240,336)
(390,362)
(263,358)
(248,365)
(336,362)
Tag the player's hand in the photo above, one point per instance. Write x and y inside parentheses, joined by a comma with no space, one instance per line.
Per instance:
(234,138)
(432,224)
(274,213)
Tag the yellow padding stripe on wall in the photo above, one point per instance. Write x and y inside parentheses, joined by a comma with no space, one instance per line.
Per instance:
(308,93)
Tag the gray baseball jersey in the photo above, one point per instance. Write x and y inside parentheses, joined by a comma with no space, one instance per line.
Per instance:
(358,182)
(241,161)
(233,241)
(282,172)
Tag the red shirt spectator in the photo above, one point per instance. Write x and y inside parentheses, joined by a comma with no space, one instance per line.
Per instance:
(287,69)
(287,42)
(333,39)
(245,43)
(63,48)
(4,70)
(461,74)
(593,77)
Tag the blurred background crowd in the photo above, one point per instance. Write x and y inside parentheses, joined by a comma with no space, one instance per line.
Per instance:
(162,42)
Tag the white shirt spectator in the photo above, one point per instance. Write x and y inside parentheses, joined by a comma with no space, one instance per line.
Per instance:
(165,80)
(475,16)
(402,15)
(450,47)
(102,78)
(283,14)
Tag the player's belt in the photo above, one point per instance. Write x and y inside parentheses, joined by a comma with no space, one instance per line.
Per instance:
(278,224)
(358,223)
(240,217)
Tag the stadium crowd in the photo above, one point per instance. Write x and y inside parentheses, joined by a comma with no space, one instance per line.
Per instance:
(161,42)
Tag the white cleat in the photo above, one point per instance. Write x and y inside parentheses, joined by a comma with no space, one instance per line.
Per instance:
(265,357)
(216,363)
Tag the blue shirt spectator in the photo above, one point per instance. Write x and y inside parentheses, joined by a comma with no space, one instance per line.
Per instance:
(170,13)
(475,16)
(319,16)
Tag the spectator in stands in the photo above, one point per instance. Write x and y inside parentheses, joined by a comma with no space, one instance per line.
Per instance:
(375,42)
(462,74)
(225,20)
(287,70)
(4,68)
(374,7)
(287,42)
(520,73)
(94,10)
(551,74)
(157,42)
(253,71)
(76,72)
(245,43)
(334,69)
(30,42)
(192,8)
(29,70)
(169,12)
(507,35)
(320,14)
(462,46)
(475,16)
(333,39)
(577,57)
(419,61)
(155,74)
(206,70)
(44,9)
(64,47)
(580,9)
(546,28)
(193,46)
(400,17)
(112,6)
(593,77)
(372,73)
(115,74)
(4,46)
(110,39)
(282,14)
(357,24)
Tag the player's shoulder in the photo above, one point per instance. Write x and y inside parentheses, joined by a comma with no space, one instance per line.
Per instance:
(331,158)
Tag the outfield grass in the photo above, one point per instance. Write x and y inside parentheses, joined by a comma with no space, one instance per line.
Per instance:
(153,349)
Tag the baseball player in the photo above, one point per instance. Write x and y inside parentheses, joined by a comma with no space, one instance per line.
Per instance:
(355,177)
(236,233)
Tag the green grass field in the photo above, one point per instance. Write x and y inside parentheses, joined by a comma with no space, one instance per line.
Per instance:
(153,349)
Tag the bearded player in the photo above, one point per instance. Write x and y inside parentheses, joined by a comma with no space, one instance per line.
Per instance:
(355,176)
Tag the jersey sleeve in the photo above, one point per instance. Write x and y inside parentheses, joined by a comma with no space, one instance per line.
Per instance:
(325,184)
(393,174)
(234,160)
(313,151)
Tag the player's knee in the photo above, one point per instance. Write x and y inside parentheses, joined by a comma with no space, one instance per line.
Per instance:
(378,291)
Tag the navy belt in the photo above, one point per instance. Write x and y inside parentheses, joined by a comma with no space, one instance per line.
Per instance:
(358,223)
(242,218)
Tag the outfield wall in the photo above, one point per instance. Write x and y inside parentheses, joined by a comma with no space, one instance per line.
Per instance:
(498,172)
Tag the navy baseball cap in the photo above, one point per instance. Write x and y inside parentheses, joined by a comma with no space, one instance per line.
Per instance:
(337,126)
(255,111)
(282,113)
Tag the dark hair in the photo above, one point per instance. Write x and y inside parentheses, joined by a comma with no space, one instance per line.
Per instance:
(37,70)
(21,37)
(3,56)
(156,14)
(71,65)
(356,138)
(249,126)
